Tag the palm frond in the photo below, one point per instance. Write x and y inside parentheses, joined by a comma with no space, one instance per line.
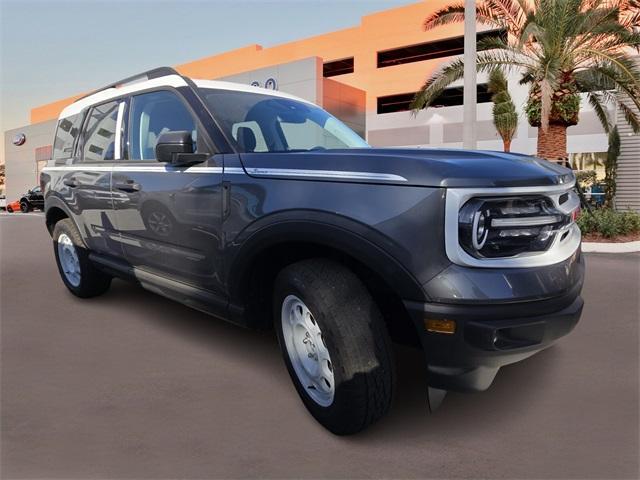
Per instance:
(596,101)
(454,71)
(453,13)
(630,117)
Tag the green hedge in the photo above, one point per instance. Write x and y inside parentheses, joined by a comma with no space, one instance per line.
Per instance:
(609,223)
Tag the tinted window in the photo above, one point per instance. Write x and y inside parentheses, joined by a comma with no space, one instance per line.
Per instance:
(259,122)
(450,97)
(99,139)
(66,134)
(153,114)
(429,50)
(337,67)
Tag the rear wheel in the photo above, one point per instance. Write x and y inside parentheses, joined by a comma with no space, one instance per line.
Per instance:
(25,207)
(335,345)
(79,275)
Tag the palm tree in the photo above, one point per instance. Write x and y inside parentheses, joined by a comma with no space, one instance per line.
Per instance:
(560,48)
(505,117)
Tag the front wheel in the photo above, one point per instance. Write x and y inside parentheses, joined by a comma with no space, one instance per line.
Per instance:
(79,275)
(25,207)
(335,345)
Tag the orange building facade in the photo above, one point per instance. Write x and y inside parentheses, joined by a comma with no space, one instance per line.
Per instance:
(378,32)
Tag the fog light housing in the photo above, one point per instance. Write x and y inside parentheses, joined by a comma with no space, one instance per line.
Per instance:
(440,326)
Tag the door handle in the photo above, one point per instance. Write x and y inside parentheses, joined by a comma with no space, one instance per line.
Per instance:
(70,182)
(129,186)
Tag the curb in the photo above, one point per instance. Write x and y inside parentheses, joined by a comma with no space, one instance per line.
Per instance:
(597,247)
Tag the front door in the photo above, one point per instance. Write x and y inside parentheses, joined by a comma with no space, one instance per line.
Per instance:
(169,218)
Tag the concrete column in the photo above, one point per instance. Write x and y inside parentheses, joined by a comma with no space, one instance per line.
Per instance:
(469,135)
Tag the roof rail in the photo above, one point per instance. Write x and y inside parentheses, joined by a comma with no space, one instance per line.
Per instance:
(148,75)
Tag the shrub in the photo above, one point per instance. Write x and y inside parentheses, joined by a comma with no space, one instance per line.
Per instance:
(609,223)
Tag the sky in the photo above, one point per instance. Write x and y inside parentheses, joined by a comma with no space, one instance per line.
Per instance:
(52,49)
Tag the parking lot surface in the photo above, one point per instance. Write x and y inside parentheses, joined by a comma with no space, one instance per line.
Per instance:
(131,385)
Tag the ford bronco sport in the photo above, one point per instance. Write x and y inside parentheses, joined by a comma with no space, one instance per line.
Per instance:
(263,209)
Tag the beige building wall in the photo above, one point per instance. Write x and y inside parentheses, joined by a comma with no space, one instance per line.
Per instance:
(21,166)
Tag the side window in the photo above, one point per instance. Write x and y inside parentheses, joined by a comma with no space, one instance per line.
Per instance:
(153,114)
(66,134)
(99,138)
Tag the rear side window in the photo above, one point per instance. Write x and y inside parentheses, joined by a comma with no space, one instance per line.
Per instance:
(153,114)
(66,134)
(99,139)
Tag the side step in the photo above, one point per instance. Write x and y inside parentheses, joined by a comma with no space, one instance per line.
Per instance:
(203,300)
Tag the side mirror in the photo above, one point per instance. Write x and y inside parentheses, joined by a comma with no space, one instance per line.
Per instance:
(176,148)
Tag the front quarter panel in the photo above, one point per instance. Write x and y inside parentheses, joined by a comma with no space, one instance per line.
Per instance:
(403,222)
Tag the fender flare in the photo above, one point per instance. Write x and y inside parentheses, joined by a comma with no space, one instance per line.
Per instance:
(52,202)
(342,234)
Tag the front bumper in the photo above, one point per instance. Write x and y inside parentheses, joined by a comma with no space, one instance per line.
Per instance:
(488,336)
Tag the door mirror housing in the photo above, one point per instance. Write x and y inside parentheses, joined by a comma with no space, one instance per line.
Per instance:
(176,148)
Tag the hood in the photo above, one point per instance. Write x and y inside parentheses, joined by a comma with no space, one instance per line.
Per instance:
(420,167)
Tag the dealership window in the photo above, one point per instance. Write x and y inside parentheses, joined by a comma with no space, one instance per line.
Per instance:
(100,133)
(450,97)
(446,47)
(589,161)
(153,114)
(66,134)
(337,67)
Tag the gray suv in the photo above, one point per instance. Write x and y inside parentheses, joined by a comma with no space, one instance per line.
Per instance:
(263,209)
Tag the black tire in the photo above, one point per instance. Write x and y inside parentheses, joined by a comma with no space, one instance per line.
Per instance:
(25,207)
(9,209)
(92,282)
(355,336)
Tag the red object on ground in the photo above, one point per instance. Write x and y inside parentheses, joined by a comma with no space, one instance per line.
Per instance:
(13,206)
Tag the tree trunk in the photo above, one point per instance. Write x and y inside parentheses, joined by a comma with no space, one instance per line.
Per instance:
(507,145)
(552,144)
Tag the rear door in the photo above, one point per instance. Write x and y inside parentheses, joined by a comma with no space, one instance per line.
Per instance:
(169,218)
(87,185)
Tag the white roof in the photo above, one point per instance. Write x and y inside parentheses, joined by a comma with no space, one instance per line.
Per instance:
(166,81)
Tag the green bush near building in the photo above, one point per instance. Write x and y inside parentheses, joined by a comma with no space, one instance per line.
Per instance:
(609,223)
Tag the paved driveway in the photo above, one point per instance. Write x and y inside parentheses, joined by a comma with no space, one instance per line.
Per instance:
(131,385)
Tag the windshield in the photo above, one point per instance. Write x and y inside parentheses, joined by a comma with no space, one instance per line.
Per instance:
(264,123)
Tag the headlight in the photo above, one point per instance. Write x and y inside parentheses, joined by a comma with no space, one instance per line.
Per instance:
(504,227)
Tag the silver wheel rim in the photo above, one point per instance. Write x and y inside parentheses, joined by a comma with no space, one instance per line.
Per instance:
(307,351)
(159,223)
(68,257)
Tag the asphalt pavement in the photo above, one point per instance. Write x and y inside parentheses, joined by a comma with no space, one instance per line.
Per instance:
(132,385)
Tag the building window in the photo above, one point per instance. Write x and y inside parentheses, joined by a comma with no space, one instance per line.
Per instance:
(43,153)
(429,50)
(337,67)
(450,97)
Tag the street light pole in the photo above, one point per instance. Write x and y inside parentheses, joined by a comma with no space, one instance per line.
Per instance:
(469,138)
